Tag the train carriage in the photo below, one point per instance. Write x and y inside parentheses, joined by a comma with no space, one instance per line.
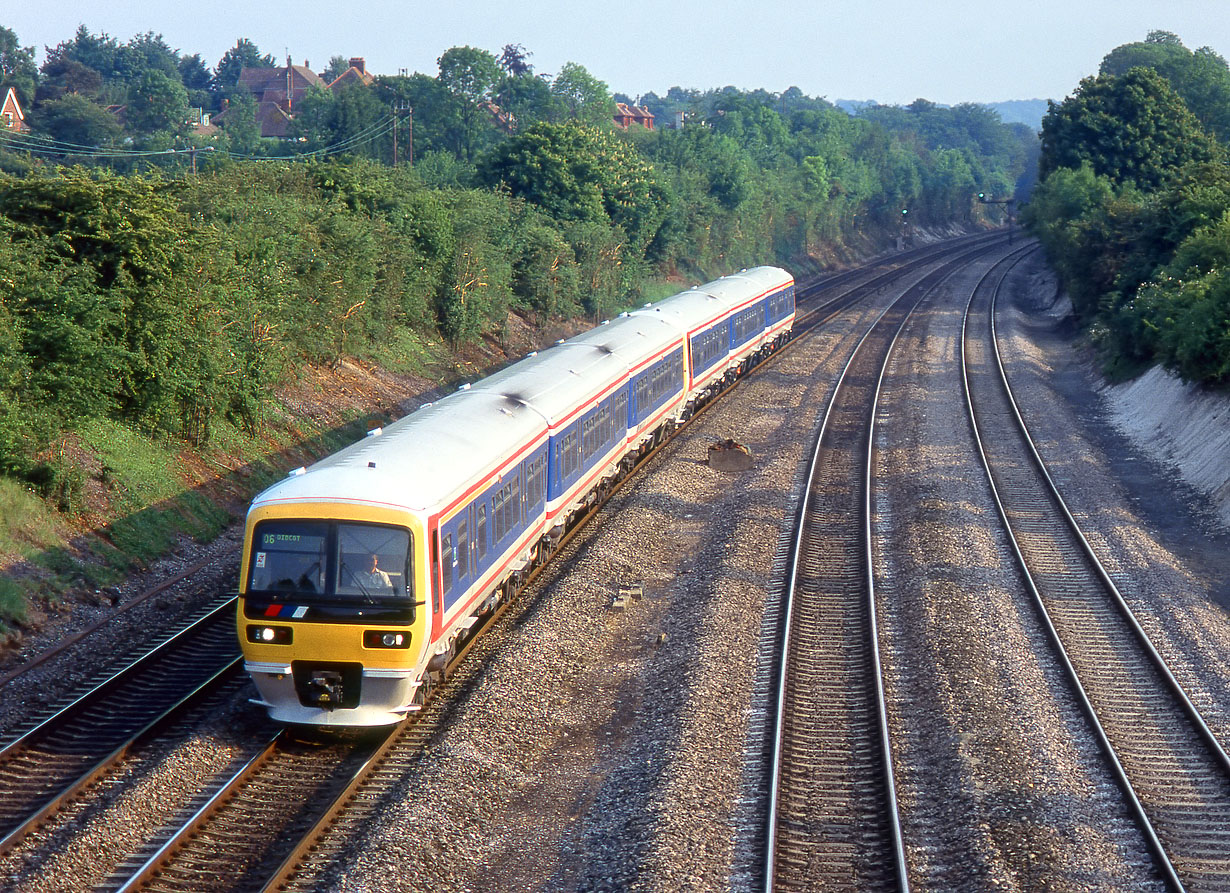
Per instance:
(360,573)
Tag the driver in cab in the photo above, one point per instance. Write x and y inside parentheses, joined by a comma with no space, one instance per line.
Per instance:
(375,577)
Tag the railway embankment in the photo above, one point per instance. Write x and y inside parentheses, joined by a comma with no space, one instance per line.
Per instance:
(1185,425)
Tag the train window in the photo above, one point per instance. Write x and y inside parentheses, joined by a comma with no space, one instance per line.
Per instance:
(446,563)
(535,481)
(480,531)
(749,322)
(507,508)
(289,556)
(570,453)
(463,548)
(372,560)
(708,346)
(619,409)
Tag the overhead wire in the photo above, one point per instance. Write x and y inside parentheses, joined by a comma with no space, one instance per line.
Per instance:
(44,146)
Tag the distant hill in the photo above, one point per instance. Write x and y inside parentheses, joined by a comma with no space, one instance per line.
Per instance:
(1021,111)
(1014,111)
(851,106)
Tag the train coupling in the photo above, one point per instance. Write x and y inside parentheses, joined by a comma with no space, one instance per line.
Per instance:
(328,686)
(326,689)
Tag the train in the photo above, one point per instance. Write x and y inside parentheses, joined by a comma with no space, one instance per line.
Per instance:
(362,574)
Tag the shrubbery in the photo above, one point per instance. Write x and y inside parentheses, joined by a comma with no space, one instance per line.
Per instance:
(1133,212)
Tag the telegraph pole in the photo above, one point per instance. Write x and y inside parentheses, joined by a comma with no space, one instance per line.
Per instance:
(399,108)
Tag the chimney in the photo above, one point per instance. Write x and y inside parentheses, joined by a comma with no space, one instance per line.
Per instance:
(357,62)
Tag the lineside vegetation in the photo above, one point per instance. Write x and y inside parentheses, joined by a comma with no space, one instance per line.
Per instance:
(1133,207)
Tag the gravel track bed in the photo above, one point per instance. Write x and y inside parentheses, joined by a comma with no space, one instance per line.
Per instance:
(155,790)
(1158,538)
(1001,786)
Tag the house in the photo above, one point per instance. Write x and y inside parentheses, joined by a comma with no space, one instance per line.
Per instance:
(11,115)
(355,74)
(276,90)
(626,115)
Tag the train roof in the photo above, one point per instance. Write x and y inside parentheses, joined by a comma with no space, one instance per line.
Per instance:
(419,461)
(633,339)
(556,381)
(691,309)
(424,460)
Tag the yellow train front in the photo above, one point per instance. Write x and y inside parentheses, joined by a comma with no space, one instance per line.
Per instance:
(337,619)
(329,624)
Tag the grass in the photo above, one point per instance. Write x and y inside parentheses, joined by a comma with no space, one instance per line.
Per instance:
(14,607)
(26,522)
(407,352)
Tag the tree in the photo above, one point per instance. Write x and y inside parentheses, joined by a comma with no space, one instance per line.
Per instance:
(585,98)
(197,80)
(64,76)
(148,52)
(438,122)
(580,173)
(17,68)
(545,273)
(1131,127)
(1201,78)
(244,54)
(470,76)
(75,120)
(469,73)
(242,130)
(528,99)
(514,59)
(158,103)
(93,51)
(348,118)
(338,66)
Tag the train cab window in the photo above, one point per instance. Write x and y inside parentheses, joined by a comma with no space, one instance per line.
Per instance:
(333,560)
(289,556)
(371,560)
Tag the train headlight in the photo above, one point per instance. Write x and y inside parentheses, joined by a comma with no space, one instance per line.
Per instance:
(270,635)
(386,638)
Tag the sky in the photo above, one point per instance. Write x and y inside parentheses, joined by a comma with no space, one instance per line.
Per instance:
(947,51)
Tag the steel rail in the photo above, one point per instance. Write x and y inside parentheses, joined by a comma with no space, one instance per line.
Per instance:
(792,578)
(1117,768)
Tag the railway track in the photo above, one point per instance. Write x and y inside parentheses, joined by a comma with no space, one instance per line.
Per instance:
(1173,772)
(833,820)
(339,798)
(88,740)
